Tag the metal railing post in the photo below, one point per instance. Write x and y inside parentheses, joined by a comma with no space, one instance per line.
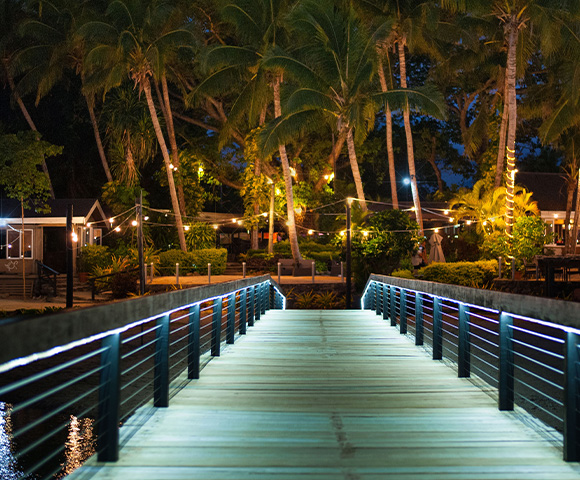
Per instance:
(373,296)
(403,311)
(161,380)
(437,330)
(272,296)
(243,312)
(243,269)
(378,302)
(386,297)
(216,327)
(231,326)
(506,363)
(392,308)
(263,293)
(257,299)
(464,350)
(193,351)
(571,403)
(177,273)
(109,400)
(418,318)
(251,306)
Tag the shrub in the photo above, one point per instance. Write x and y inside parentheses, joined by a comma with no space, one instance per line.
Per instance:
(469,274)
(169,258)
(124,283)
(93,256)
(216,256)
(305,301)
(403,274)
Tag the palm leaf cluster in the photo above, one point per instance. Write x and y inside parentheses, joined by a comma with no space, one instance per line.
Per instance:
(313,81)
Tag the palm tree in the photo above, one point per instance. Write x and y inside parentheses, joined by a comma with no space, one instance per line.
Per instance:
(259,26)
(486,207)
(53,48)
(11,15)
(334,68)
(131,41)
(517,18)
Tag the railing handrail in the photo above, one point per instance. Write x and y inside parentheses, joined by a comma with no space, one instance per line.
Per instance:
(176,329)
(525,346)
(43,333)
(46,267)
(561,312)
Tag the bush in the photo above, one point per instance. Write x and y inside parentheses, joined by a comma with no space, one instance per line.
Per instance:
(403,274)
(216,256)
(169,258)
(93,256)
(124,283)
(469,274)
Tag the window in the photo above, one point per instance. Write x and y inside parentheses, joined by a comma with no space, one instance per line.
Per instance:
(15,248)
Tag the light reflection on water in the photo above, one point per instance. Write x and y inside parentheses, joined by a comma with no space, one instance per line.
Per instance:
(79,445)
(8,466)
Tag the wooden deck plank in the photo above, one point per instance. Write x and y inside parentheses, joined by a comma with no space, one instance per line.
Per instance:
(330,395)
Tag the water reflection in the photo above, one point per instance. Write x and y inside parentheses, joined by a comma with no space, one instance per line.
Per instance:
(8,466)
(80,444)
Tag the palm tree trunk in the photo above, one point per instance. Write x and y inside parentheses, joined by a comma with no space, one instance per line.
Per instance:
(335,152)
(431,160)
(91,108)
(257,172)
(173,193)
(28,118)
(502,135)
(293,237)
(355,171)
(172,141)
(409,135)
(576,218)
(571,186)
(512,32)
(389,133)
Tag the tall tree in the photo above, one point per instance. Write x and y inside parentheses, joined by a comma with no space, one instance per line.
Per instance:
(51,48)
(259,26)
(132,40)
(12,13)
(334,70)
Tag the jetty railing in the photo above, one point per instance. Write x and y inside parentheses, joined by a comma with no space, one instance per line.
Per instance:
(527,348)
(69,380)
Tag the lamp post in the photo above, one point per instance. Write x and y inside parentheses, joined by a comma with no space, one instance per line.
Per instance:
(348,254)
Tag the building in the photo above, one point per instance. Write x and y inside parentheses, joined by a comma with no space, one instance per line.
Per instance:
(44,237)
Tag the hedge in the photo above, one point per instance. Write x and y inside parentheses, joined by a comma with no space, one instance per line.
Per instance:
(216,256)
(469,274)
(193,261)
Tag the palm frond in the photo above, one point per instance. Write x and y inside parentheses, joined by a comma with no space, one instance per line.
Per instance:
(427,100)
(287,128)
(230,55)
(304,98)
